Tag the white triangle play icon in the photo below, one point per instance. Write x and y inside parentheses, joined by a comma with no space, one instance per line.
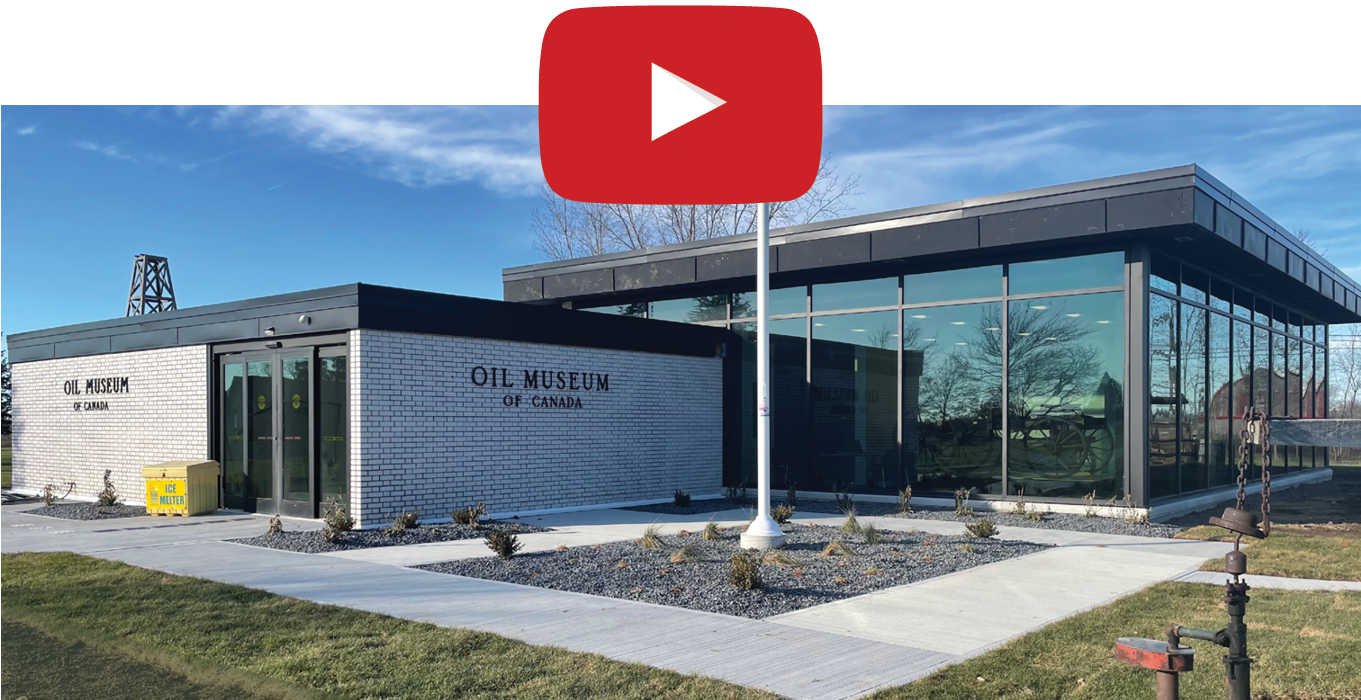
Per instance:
(676,101)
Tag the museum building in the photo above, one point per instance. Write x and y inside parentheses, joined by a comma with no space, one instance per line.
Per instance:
(1090,338)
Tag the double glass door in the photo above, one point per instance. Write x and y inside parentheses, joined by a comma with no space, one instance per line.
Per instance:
(283,430)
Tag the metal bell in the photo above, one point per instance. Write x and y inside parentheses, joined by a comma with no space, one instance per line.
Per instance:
(1240,521)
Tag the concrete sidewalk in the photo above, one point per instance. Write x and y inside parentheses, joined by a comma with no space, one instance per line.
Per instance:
(1219,578)
(839,650)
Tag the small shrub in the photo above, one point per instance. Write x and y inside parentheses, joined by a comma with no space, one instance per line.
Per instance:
(781,514)
(981,528)
(905,500)
(1034,513)
(651,538)
(108,497)
(711,531)
(470,515)
(504,543)
(775,557)
(850,526)
(49,494)
(687,554)
(276,525)
(872,571)
(968,548)
(1089,506)
(844,502)
(791,496)
(841,581)
(962,508)
(399,525)
(743,573)
(681,499)
(837,549)
(735,492)
(870,535)
(1019,508)
(335,520)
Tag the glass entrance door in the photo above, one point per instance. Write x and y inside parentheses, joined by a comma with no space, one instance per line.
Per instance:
(268,408)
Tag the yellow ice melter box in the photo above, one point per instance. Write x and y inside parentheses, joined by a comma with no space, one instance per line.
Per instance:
(183,487)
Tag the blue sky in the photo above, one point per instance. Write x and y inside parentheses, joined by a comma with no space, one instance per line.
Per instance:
(255,201)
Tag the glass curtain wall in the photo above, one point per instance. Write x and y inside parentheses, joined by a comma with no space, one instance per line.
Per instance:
(1211,356)
(886,382)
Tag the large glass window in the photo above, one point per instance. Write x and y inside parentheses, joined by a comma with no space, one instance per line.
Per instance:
(1194,441)
(789,402)
(855,295)
(332,424)
(1220,454)
(1082,272)
(855,400)
(713,307)
(973,283)
(1065,388)
(637,309)
(791,300)
(1164,380)
(952,397)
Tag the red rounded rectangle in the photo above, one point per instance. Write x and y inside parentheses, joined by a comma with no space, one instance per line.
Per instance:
(597,94)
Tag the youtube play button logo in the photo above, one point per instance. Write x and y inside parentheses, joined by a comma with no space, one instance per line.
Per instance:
(680,105)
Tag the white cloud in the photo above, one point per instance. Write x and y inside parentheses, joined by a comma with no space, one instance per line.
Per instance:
(496,148)
(111,150)
(28,130)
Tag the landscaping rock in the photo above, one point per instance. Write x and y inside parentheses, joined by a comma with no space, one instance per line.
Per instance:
(628,571)
(87,511)
(311,541)
(1051,521)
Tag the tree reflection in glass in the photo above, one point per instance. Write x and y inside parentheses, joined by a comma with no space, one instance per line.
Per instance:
(1065,388)
(952,397)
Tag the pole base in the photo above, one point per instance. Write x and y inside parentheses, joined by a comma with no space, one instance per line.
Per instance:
(763,533)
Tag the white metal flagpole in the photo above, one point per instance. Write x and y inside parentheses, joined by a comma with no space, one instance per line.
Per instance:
(763,532)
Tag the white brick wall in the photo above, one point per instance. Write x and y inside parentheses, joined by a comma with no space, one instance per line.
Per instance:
(425,437)
(162,416)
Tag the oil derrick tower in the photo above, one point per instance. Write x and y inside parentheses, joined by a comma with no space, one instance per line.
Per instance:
(151,289)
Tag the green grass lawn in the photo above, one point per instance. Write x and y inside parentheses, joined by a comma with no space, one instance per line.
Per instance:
(4,467)
(1306,645)
(1285,553)
(320,647)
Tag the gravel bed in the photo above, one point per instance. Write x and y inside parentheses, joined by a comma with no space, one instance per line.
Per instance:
(87,511)
(311,542)
(629,571)
(1051,521)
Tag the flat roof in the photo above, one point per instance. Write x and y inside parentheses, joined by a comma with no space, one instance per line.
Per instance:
(363,306)
(1193,214)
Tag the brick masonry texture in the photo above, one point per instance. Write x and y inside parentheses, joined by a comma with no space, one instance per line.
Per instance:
(426,436)
(162,416)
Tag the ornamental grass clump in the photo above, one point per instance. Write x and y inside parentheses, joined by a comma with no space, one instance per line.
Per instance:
(782,513)
(108,497)
(775,557)
(905,501)
(844,502)
(276,525)
(335,520)
(837,549)
(870,536)
(981,528)
(1034,514)
(402,522)
(968,548)
(711,531)
(743,573)
(962,508)
(689,553)
(681,499)
(1089,506)
(850,526)
(469,515)
(1019,507)
(651,538)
